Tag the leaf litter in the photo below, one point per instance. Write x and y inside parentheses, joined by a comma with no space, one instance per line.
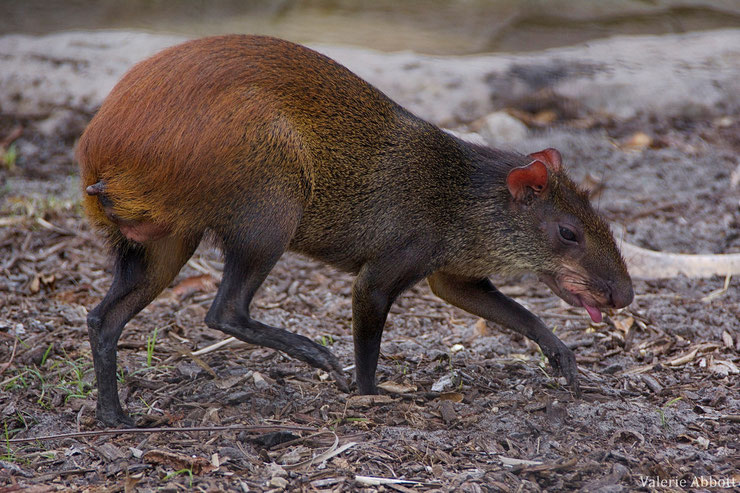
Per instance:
(659,378)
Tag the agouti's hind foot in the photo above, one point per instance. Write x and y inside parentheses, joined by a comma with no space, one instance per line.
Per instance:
(319,356)
(295,345)
(114,417)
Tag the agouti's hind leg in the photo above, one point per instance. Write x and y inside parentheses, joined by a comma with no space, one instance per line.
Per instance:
(141,272)
(245,268)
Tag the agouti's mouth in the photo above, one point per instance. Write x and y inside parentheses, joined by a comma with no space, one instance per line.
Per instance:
(574,291)
(593,312)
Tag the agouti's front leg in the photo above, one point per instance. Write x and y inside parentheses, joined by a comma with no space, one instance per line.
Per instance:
(480,297)
(373,293)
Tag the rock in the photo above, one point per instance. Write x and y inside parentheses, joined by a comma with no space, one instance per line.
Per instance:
(472,137)
(500,129)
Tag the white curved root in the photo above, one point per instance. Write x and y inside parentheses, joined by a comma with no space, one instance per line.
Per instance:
(649,264)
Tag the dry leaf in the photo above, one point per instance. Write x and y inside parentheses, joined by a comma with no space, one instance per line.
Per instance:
(545,117)
(723,368)
(727,339)
(397,388)
(637,142)
(193,284)
(686,358)
(481,328)
(624,324)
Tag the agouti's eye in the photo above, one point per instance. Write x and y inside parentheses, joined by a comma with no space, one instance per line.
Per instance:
(567,234)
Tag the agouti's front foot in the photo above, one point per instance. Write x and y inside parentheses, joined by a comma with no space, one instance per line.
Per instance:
(563,362)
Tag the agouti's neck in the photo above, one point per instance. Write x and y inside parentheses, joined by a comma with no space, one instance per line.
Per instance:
(484,233)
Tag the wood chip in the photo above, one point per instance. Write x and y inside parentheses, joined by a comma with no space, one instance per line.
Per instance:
(652,384)
(368,400)
(691,355)
(510,461)
(397,388)
(177,461)
(447,411)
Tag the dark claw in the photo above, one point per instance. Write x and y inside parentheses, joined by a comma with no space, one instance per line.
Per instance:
(319,356)
(340,380)
(327,361)
(564,363)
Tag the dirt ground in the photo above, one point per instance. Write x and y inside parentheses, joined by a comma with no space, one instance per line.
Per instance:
(467,406)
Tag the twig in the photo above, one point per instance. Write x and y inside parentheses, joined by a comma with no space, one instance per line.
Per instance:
(718,292)
(52,227)
(5,366)
(214,346)
(324,456)
(186,352)
(376,481)
(11,137)
(121,431)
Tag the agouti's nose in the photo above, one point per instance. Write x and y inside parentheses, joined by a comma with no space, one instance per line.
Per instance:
(621,295)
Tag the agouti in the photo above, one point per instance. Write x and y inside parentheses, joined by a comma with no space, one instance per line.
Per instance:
(268,146)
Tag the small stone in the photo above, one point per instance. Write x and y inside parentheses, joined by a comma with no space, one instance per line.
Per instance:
(279,482)
(456,348)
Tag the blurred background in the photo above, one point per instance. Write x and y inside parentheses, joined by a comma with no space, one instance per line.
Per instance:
(427,26)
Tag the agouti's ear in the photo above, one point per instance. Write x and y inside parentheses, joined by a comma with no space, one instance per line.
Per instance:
(532,176)
(551,157)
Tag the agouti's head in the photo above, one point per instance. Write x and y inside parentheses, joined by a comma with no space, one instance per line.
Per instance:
(573,250)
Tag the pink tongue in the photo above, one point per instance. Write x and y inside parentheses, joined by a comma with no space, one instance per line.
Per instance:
(593,312)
